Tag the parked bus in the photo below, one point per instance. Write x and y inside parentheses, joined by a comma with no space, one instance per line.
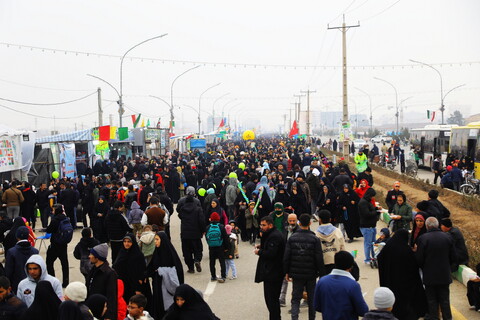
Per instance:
(465,141)
(430,141)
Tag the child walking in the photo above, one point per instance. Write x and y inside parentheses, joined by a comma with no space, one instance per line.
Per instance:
(230,254)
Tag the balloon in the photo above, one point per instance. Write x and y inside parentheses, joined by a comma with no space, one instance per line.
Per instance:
(248,135)
(55,174)
(233,175)
(241,165)
(202,192)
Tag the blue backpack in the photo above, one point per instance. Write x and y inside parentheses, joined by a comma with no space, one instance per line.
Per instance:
(214,235)
(64,233)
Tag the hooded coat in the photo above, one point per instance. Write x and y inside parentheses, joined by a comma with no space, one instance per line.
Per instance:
(136,213)
(45,303)
(15,262)
(26,287)
(366,210)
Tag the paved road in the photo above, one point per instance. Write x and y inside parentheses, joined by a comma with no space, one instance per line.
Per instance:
(243,299)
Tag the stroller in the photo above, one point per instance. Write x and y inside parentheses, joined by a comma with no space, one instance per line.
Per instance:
(378,246)
(412,168)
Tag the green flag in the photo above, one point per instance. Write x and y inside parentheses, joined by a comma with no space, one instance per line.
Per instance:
(122,133)
(137,121)
(148,123)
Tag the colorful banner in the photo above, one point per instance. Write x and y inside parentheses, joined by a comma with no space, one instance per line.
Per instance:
(10,153)
(67,158)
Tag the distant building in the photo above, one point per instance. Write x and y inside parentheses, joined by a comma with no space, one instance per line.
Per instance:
(473,118)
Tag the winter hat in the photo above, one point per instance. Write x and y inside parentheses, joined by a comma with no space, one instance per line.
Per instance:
(76,291)
(446,222)
(228,229)
(383,298)
(278,205)
(190,191)
(449,168)
(210,191)
(315,172)
(420,216)
(100,251)
(22,233)
(215,217)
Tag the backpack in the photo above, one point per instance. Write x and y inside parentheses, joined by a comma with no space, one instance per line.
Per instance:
(214,235)
(64,233)
(85,265)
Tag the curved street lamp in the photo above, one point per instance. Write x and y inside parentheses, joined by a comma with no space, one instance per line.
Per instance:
(396,99)
(200,101)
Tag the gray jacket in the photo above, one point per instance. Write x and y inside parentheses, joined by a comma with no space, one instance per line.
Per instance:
(232,191)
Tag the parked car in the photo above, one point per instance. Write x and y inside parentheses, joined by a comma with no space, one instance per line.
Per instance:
(359,143)
(381,139)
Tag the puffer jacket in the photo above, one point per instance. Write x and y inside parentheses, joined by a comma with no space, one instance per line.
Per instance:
(367,212)
(379,315)
(136,213)
(192,220)
(116,225)
(303,257)
(232,191)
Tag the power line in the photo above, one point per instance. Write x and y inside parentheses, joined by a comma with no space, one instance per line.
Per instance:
(46,117)
(379,13)
(48,104)
(44,88)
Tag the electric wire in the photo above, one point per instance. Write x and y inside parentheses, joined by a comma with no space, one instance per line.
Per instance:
(48,104)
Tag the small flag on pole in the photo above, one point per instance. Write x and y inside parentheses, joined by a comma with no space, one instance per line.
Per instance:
(431,115)
(294,130)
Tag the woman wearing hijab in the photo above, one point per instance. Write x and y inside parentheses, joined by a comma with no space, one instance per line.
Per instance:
(172,184)
(101,210)
(282,195)
(398,271)
(402,213)
(216,207)
(45,304)
(264,183)
(97,304)
(188,304)
(130,267)
(166,271)
(327,200)
(347,203)
(418,229)
(298,199)
(69,310)
(10,239)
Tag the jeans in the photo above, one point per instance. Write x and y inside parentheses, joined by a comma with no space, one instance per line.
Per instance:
(230,264)
(13,212)
(231,212)
(59,251)
(192,250)
(438,295)
(215,253)
(271,292)
(297,293)
(283,291)
(368,240)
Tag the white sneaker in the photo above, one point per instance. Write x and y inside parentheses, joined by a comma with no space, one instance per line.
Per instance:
(233,277)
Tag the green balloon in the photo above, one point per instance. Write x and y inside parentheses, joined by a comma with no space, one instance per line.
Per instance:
(241,165)
(55,174)
(233,175)
(202,192)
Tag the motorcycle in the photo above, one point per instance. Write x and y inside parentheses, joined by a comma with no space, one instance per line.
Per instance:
(471,185)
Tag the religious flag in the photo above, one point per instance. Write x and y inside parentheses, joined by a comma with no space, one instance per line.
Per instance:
(122,133)
(431,115)
(136,119)
(293,130)
(148,123)
(113,132)
(143,123)
(222,124)
(104,133)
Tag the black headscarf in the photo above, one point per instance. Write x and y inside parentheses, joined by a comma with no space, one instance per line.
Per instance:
(69,310)
(193,308)
(45,304)
(166,256)
(96,303)
(10,239)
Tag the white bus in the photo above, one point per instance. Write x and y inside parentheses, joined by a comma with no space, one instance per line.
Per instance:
(430,141)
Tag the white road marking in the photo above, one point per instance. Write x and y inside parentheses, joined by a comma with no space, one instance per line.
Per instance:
(209,290)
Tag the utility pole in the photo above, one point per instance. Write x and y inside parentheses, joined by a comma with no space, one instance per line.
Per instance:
(308,110)
(100,111)
(344,28)
(299,96)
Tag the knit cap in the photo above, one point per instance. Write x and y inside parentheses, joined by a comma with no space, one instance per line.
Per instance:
(190,191)
(76,291)
(383,298)
(22,233)
(215,217)
(100,251)
(228,229)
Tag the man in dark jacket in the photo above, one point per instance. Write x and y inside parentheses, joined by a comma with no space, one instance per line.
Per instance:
(434,202)
(103,280)
(17,257)
(56,249)
(192,228)
(341,180)
(270,265)
(11,307)
(367,175)
(435,255)
(117,227)
(69,199)
(368,222)
(392,194)
(458,241)
(43,204)
(303,262)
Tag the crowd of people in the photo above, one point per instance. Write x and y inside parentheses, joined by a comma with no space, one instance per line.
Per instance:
(266,193)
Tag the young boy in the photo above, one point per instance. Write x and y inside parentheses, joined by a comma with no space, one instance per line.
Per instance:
(82,251)
(136,308)
(236,231)
(383,298)
(230,254)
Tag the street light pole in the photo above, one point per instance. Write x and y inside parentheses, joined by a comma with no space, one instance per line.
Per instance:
(118,93)
(396,99)
(200,104)
(121,110)
(371,116)
(442,107)
(172,117)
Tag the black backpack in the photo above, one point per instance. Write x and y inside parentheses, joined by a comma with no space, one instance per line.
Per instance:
(64,233)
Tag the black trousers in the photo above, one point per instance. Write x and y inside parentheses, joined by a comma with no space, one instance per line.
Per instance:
(473,294)
(115,246)
(214,254)
(438,295)
(192,250)
(299,285)
(271,293)
(59,251)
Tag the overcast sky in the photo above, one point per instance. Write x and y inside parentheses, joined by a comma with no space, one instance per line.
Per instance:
(239,34)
